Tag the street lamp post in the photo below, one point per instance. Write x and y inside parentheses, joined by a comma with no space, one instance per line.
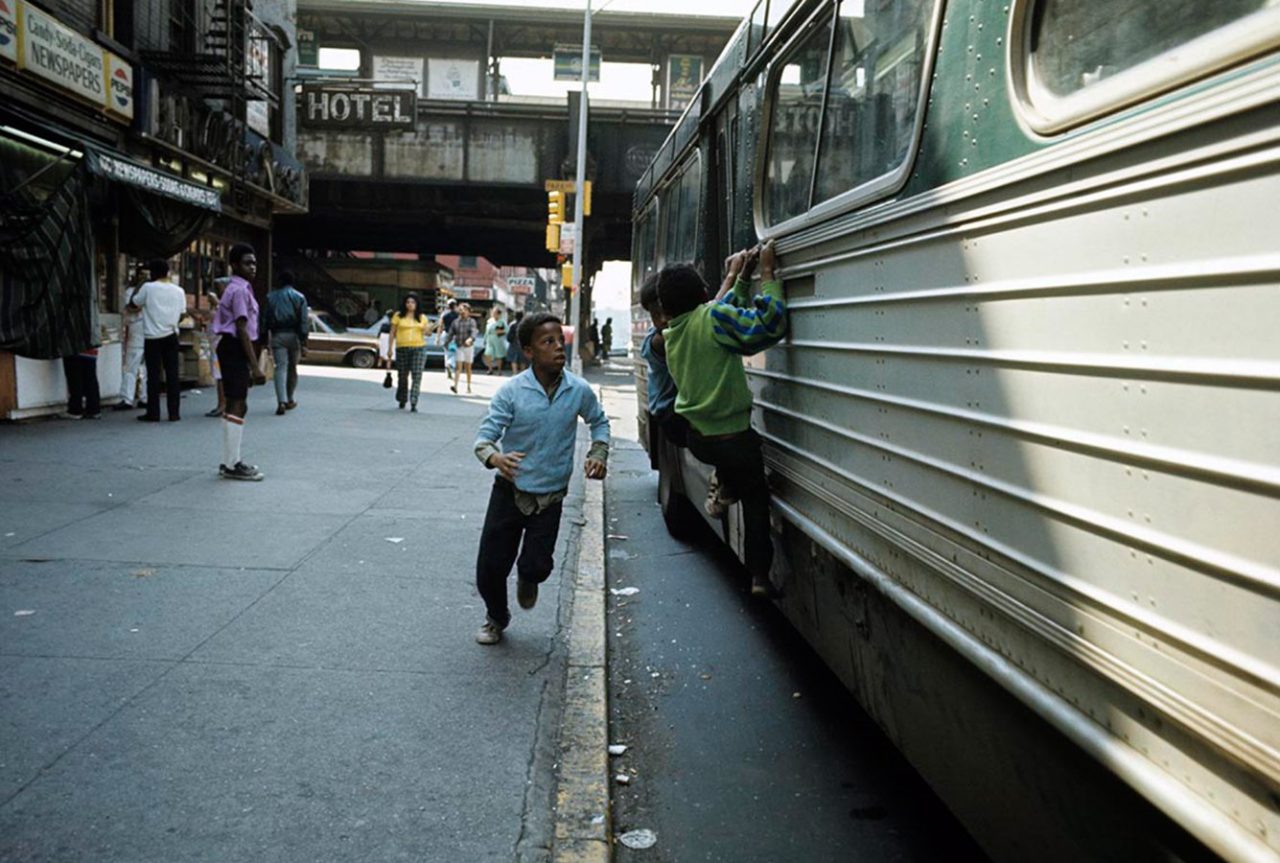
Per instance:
(575,304)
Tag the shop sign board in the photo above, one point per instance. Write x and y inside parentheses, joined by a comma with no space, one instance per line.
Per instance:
(568,236)
(43,46)
(135,174)
(119,87)
(568,63)
(453,79)
(521,285)
(9,30)
(684,75)
(60,55)
(394,72)
(352,107)
(475,293)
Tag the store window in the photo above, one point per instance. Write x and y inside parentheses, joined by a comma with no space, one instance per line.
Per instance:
(1083,58)
(847,105)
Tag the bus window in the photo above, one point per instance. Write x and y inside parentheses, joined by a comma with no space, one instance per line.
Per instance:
(869,121)
(690,200)
(1079,60)
(797,113)
(846,105)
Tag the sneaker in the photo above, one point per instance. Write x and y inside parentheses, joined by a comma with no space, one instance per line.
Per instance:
(762,588)
(526,593)
(280,409)
(122,406)
(214,413)
(489,632)
(718,501)
(241,471)
(413,408)
(290,405)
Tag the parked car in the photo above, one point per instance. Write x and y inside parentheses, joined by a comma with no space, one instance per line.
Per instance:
(331,342)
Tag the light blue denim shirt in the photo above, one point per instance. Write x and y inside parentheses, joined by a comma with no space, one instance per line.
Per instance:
(523,419)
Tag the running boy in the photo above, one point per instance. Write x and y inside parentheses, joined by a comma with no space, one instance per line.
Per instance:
(528,437)
(705,343)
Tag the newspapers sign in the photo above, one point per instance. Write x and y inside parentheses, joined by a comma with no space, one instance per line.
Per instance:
(151,180)
(42,46)
(346,107)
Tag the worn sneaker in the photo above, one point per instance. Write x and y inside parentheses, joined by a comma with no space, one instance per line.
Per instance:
(241,471)
(762,588)
(718,501)
(489,632)
(526,593)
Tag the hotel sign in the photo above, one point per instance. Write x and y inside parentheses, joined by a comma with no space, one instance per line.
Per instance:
(43,46)
(353,107)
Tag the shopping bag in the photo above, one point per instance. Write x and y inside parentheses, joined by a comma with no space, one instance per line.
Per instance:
(266,365)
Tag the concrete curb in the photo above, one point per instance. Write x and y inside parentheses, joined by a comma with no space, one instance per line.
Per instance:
(582,832)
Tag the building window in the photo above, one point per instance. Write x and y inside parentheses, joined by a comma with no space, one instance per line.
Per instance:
(1073,61)
(846,106)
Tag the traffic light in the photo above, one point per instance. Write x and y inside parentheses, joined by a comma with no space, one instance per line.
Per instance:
(586,198)
(553,238)
(555,208)
(566,278)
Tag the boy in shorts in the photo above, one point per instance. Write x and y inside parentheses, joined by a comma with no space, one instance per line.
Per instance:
(236,322)
(528,437)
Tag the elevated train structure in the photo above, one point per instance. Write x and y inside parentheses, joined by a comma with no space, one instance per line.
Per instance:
(1022,432)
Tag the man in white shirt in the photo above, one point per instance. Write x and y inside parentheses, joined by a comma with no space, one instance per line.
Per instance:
(162,304)
(134,378)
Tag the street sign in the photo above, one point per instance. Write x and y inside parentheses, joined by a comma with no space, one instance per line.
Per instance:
(568,233)
(566,186)
(568,63)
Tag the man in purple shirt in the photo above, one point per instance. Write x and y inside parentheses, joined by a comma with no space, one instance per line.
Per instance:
(236,321)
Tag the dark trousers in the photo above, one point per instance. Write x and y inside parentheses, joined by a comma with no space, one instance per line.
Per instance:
(500,542)
(83,398)
(739,463)
(162,354)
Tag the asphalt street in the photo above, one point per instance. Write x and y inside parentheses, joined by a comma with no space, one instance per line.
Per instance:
(199,669)
(741,746)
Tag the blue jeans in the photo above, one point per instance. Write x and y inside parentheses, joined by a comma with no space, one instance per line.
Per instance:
(286,350)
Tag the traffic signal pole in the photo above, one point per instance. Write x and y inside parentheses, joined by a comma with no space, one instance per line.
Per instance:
(575,303)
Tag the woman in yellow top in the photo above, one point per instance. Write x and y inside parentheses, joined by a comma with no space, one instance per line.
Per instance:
(409,328)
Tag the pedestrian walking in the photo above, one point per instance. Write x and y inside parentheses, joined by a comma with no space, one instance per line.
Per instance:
(442,333)
(386,349)
(593,340)
(84,399)
(606,339)
(409,334)
(236,321)
(528,438)
(463,332)
(285,322)
(495,341)
(515,356)
(133,377)
(161,303)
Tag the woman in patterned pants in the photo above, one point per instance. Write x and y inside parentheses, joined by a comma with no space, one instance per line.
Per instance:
(408,332)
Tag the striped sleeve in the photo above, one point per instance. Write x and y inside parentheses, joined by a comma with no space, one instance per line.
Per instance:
(753,326)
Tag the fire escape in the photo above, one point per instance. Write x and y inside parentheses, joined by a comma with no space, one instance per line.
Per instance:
(219,63)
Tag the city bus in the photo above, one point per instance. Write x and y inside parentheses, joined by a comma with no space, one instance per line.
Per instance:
(1023,433)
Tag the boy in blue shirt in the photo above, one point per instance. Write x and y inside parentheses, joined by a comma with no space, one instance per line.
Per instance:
(528,437)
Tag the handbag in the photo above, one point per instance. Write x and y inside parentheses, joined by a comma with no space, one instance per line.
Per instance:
(266,364)
(386,382)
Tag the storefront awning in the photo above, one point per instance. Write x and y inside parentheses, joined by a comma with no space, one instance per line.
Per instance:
(122,170)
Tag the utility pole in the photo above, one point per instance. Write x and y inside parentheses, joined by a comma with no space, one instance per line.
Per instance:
(575,305)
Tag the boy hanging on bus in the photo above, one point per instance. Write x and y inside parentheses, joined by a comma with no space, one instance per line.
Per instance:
(705,343)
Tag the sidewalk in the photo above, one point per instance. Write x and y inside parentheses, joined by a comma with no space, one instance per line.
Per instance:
(198,669)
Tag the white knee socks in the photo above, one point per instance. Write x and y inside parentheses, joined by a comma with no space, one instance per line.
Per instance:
(232,432)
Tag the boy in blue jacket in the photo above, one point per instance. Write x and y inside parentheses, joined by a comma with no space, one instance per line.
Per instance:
(528,438)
